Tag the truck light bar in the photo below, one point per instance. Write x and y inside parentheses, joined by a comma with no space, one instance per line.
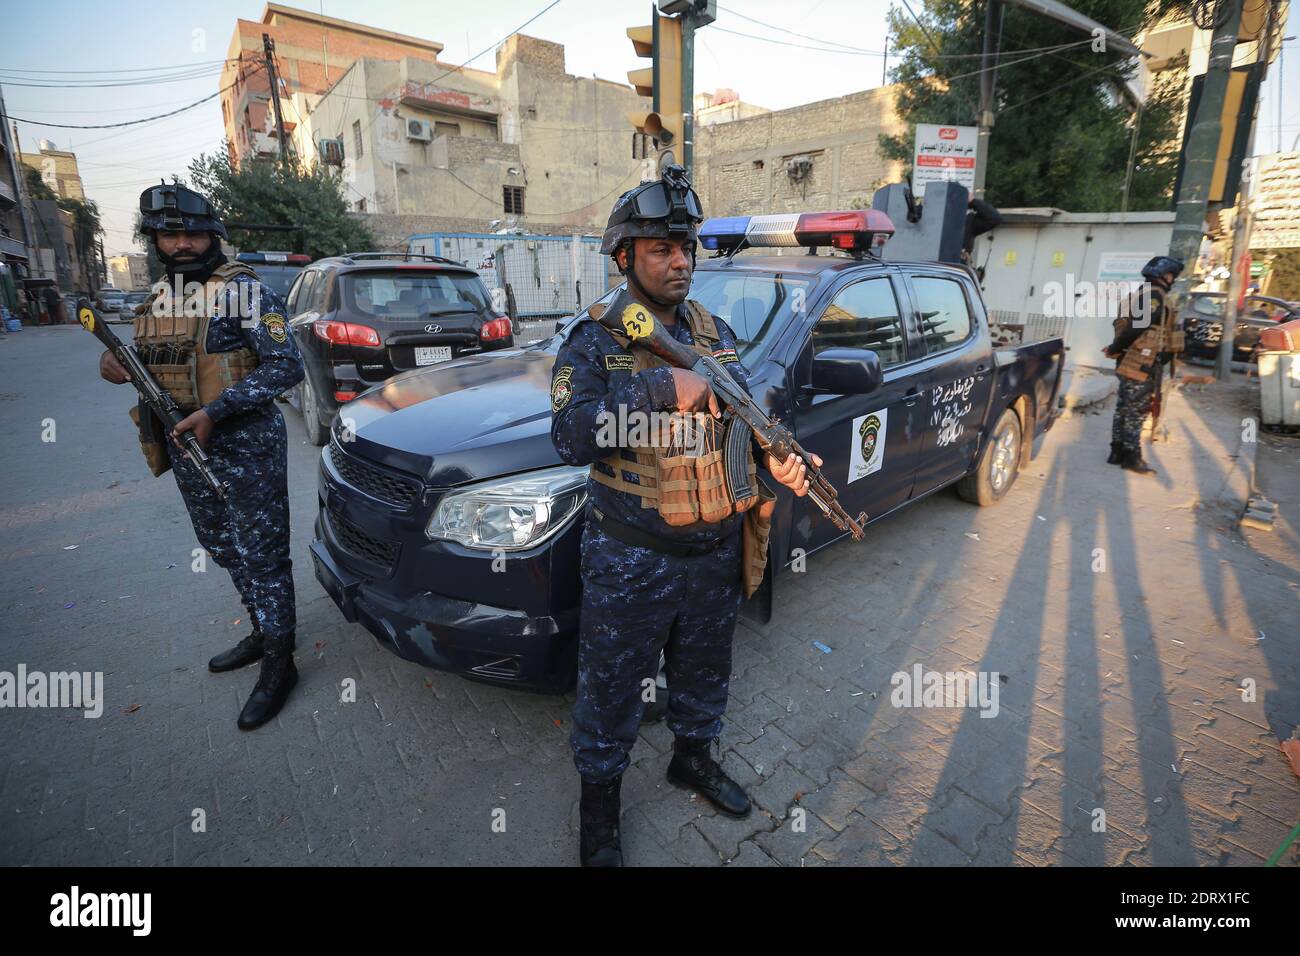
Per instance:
(274,258)
(856,230)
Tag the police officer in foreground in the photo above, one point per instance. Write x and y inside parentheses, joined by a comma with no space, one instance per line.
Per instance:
(662,545)
(1144,342)
(224,362)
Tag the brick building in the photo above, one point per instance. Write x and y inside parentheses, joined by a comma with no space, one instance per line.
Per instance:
(58,169)
(526,145)
(312,51)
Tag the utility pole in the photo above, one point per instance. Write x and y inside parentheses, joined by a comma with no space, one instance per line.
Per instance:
(688,90)
(988,76)
(1202,151)
(268,50)
(1242,223)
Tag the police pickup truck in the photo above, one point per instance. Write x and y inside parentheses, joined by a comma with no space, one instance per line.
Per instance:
(449,527)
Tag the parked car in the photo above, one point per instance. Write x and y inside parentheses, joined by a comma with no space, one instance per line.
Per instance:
(446,470)
(110,301)
(276,269)
(1203,323)
(361,318)
(132,301)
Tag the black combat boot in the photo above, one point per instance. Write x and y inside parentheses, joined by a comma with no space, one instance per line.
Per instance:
(1116,453)
(274,681)
(693,766)
(598,843)
(242,654)
(1133,462)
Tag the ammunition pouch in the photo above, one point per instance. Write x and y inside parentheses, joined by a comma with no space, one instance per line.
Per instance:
(174,348)
(153,438)
(706,471)
(756,529)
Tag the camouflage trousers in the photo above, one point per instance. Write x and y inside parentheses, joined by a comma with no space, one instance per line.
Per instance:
(248,534)
(636,603)
(1131,411)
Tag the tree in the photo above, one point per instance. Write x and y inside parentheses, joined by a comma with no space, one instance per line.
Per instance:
(280,194)
(1063,129)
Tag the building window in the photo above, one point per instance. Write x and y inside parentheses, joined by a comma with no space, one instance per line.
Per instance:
(514,200)
(356,137)
(446,129)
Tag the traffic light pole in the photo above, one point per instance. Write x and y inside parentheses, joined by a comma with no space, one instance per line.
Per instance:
(1201,151)
(688,92)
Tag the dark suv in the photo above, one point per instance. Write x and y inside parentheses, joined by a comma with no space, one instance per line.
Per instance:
(363,317)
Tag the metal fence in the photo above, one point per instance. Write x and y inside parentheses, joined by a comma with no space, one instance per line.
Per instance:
(535,279)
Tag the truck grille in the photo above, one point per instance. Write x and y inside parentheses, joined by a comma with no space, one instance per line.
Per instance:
(362,544)
(388,488)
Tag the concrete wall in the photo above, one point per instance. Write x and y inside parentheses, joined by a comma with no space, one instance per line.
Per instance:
(741,165)
(564,140)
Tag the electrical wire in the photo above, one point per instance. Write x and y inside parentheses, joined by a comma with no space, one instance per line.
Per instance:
(136,122)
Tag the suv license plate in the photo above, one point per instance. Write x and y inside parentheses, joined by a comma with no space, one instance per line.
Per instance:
(432,356)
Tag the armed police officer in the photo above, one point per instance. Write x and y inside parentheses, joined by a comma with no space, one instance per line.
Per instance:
(662,549)
(1145,341)
(216,338)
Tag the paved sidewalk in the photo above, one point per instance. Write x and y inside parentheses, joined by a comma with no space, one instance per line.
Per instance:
(1122,615)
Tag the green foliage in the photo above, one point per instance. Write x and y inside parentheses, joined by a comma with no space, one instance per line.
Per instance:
(269,193)
(1063,131)
(86,226)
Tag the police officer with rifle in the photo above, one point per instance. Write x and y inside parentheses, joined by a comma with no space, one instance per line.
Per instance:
(1145,341)
(215,340)
(677,523)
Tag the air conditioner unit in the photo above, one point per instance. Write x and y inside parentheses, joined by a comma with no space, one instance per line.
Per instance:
(331,152)
(421,130)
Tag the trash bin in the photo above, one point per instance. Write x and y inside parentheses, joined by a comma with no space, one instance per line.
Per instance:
(1279,374)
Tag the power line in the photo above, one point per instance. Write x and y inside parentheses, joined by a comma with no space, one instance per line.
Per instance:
(143,81)
(736,13)
(142,69)
(147,119)
(488,49)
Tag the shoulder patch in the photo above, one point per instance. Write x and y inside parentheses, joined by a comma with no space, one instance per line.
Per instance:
(275,327)
(725,355)
(620,363)
(561,388)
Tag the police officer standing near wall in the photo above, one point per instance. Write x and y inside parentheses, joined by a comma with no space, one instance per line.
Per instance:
(662,544)
(1144,342)
(217,339)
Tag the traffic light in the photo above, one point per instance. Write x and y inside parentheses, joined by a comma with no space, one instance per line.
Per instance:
(661,41)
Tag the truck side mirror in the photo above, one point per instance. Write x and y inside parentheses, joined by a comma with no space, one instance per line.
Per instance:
(843,371)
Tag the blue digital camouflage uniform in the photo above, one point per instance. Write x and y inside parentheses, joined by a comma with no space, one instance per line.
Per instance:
(1134,400)
(248,534)
(636,601)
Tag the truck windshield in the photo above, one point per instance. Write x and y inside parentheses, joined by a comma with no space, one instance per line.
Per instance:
(757,305)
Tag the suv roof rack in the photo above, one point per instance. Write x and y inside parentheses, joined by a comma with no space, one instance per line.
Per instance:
(353,256)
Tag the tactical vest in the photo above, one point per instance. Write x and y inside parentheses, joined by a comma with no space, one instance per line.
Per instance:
(1140,358)
(685,481)
(174,347)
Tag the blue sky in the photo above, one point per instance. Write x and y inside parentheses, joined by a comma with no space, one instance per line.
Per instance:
(116,164)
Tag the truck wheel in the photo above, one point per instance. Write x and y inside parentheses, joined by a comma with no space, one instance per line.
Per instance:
(998,464)
(317,433)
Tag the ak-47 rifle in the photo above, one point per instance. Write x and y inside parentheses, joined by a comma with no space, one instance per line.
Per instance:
(637,323)
(157,399)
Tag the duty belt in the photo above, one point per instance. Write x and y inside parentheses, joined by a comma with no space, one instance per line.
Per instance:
(643,539)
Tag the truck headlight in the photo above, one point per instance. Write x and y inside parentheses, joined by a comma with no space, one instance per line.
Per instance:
(511,513)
